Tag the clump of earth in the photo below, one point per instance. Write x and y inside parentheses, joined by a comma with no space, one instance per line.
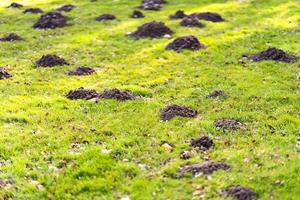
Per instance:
(178,15)
(4,74)
(137,14)
(81,71)
(81,93)
(185,42)
(51,61)
(66,8)
(105,17)
(203,168)
(191,22)
(11,37)
(15,5)
(117,94)
(228,124)
(240,193)
(208,16)
(51,20)
(172,111)
(203,143)
(33,10)
(152,30)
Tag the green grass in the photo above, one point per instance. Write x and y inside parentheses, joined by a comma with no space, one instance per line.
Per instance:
(38,124)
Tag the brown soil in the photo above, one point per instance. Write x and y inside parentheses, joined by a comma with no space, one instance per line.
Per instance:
(66,8)
(186,42)
(216,93)
(33,10)
(191,22)
(152,4)
(178,15)
(203,168)
(208,16)
(185,155)
(174,110)
(11,37)
(152,30)
(81,71)
(81,93)
(273,54)
(240,193)
(228,124)
(51,20)
(137,14)
(4,74)
(105,17)
(4,183)
(203,143)
(51,61)
(116,94)
(15,5)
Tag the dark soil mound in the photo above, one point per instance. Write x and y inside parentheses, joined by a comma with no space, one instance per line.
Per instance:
(51,20)
(191,22)
(216,93)
(137,14)
(51,61)
(274,54)
(204,168)
(208,16)
(66,8)
(33,10)
(4,74)
(240,193)
(11,37)
(178,15)
(152,4)
(81,71)
(81,93)
(228,124)
(6,182)
(203,143)
(105,17)
(152,30)
(186,42)
(15,5)
(185,155)
(174,110)
(116,94)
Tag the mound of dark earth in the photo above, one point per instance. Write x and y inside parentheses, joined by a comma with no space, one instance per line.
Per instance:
(273,54)
(203,143)
(11,37)
(216,93)
(152,30)
(51,20)
(117,94)
(175,110)
(4,183)
(240,193)
(191,22)
(228,124)
(105,17)
(51,61)
(33,10)
(208,16)
(203,168)
(66,8)
(81,71)
(152,4)
(15,5)
(137,14)
(81,93)
(185,42)
(185,155)
(178,15)
(4,74)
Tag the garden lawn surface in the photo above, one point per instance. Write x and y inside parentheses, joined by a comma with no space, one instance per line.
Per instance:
(55,148)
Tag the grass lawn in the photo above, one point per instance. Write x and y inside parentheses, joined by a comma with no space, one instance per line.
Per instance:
(56,148)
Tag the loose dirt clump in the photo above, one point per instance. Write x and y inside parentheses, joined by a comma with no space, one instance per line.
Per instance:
(178,15)
(185,155)
(6,183)
(239,193)
(208,16)
(228,124)
(216,93)
(203,168)
(191,22)
(15,5)
(203,143)
(152,30)
(273,54)
(66,8)
(151,4)
(51,20)
(175,110)
(105,17)
(33,10)
(137,14)
(4,74)
(117,94)
(81,93)
(51,61)
(186,42)
(81,71)
(11,37)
